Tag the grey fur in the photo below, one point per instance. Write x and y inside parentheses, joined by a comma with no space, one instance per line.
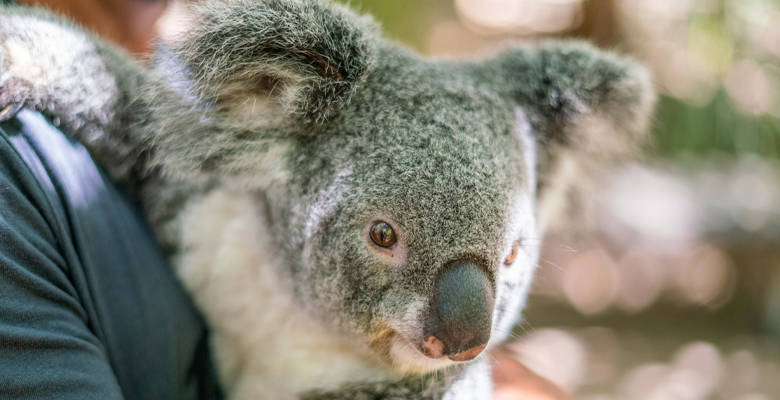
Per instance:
(414,388)
(330,127)
(318,53)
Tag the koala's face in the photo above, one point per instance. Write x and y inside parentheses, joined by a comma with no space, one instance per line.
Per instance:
(418,208)
(409,190)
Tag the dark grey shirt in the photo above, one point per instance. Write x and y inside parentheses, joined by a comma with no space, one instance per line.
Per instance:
(89,307)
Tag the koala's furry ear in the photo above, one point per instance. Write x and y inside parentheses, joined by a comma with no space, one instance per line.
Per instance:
(305,57)
(584,108)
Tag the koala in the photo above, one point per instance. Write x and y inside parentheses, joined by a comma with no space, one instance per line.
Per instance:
(354,221)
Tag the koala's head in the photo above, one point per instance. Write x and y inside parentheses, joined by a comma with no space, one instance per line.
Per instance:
(409,196)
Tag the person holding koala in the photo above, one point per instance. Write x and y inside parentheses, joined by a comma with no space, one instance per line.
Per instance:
(89,306)
(348,217)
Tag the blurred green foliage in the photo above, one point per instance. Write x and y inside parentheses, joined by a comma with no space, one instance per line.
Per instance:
(405,21)
(681,128)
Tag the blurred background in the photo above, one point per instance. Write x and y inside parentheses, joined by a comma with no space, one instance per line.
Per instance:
(674,293)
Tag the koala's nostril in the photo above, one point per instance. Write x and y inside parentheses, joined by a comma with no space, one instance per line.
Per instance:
(461,312)
(433,347)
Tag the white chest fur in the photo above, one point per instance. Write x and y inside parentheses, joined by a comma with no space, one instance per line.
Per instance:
(265,344)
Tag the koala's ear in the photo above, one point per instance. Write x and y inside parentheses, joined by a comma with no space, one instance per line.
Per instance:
(306,57)
(585,109)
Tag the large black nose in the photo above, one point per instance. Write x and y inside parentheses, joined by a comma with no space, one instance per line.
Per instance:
(460,315)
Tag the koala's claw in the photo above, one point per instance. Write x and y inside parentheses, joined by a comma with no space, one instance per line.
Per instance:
(10,111)
(14,94)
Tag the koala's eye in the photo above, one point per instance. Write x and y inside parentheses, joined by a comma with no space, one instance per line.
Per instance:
(382,234)
(511,257)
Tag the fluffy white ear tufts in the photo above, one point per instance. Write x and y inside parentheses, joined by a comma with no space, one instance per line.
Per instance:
(587,109)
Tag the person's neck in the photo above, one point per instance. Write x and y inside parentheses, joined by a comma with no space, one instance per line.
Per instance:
(128,23)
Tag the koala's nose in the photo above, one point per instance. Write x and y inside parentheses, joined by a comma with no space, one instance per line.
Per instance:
(461,312)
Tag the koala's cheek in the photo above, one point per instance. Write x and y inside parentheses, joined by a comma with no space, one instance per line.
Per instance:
(513,287)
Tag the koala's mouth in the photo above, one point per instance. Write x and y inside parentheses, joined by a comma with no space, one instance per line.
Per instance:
(434,348)
(406,357)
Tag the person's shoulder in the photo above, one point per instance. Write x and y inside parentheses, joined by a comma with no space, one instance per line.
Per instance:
(74,243)
(26,204)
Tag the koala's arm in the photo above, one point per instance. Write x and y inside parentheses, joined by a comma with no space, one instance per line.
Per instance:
(474,382)
(83,84)
(412,388)
(373,391)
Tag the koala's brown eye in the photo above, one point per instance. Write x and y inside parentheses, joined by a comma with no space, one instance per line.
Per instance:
(382,234)
(511,257)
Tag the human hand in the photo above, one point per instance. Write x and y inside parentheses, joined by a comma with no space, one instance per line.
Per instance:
(513,381)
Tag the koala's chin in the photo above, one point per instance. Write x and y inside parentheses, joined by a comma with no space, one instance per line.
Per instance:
(407,358)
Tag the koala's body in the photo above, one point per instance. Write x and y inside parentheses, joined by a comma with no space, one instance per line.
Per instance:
(351,218)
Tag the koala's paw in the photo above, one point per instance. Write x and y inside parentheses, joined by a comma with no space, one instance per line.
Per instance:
(15,93)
